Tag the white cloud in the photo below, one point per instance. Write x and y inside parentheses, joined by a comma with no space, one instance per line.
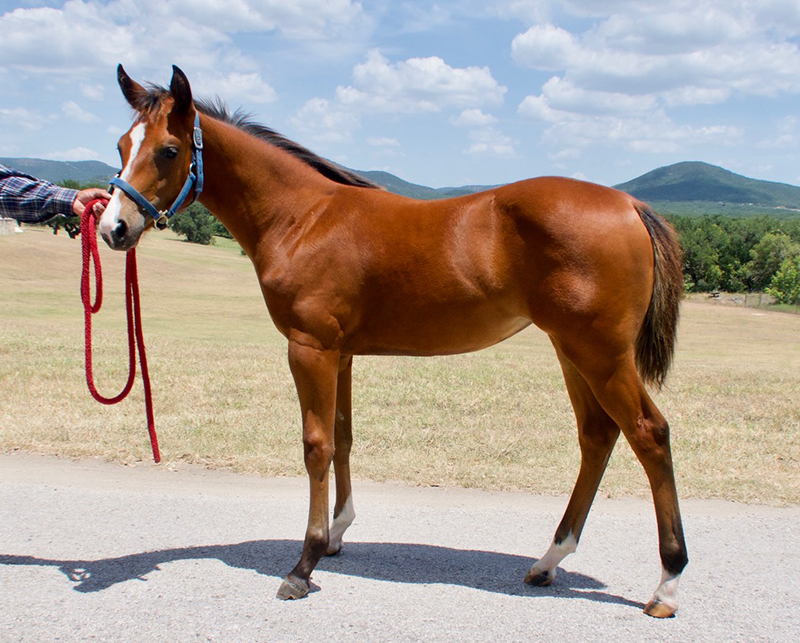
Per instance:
(532,11)
(77,113)
(492,142)
(421,17)
(567,154)
(538,108)
(19,117)
(417,85)
(563,95)
(93,91)
(412,86)
(325,121)
(617,80)
(382,141)
(473,118)
(68,40)
(652,133)
(546,47)
(76,154)
(486,138)
(249,87)
(682,52)
(85,36)
(787,134)
(299,19)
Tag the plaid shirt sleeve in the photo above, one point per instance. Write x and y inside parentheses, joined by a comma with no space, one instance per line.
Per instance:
(30,200)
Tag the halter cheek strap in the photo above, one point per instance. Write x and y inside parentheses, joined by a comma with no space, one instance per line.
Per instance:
(194,179)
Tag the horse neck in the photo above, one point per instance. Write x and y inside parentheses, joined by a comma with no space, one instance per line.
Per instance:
(255,189)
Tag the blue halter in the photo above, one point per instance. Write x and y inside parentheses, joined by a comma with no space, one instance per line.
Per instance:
(193,180)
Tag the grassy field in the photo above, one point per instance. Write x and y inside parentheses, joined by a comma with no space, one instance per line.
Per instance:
(499,419)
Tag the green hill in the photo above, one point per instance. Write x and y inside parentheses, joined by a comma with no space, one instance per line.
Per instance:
(399,186)
(55,171)
(701,182)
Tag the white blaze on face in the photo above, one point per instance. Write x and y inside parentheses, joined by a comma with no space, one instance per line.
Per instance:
(110,217)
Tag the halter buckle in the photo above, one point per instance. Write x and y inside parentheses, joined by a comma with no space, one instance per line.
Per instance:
(163,221)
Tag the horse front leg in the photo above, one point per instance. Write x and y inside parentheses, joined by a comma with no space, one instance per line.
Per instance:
(343,511)
(315,376)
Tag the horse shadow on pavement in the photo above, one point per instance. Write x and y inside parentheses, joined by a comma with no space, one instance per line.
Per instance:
(392,562)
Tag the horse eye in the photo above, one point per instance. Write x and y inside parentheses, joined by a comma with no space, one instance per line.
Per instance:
(169,152)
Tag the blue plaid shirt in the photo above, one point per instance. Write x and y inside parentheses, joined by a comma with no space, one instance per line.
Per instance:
(30,200)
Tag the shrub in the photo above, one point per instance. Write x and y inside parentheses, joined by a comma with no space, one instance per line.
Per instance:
(196,223)
(785,284)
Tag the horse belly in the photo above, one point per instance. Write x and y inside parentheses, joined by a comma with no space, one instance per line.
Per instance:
(403,328)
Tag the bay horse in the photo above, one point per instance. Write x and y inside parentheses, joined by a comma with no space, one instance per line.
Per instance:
(349,269)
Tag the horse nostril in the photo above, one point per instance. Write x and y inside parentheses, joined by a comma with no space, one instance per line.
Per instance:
(120,230)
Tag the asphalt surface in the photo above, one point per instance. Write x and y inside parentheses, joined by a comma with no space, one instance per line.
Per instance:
(91,551)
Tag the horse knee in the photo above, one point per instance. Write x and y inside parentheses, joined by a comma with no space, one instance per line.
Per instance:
(318,450)
(650,439)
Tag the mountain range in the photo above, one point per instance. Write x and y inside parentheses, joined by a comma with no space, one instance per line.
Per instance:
(687,187)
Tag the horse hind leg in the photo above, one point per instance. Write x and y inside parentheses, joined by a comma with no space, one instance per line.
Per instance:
(597,435)
(621,392)
(343,511)
(648,435)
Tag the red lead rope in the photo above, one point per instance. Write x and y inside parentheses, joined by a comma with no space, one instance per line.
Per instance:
(91,253)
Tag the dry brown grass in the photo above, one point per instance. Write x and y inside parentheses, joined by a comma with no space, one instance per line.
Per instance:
(499,419)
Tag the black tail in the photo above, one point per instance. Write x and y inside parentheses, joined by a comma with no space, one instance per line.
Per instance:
(655,346)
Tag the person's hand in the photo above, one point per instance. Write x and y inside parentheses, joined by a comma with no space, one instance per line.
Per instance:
(87,195)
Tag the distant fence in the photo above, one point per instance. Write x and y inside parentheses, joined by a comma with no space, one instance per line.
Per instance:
(744,300)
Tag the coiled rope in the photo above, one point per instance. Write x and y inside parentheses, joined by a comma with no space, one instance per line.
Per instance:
(134,315)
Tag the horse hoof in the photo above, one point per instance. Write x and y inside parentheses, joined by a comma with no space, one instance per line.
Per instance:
(538,578)
(293,588)
(657,609)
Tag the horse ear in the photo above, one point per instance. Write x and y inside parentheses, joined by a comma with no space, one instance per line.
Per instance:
(133,91)
(180,90)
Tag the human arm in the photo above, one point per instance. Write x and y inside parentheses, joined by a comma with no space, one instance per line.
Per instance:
(30,200)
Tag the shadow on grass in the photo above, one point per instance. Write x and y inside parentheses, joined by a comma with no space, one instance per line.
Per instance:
(391,562)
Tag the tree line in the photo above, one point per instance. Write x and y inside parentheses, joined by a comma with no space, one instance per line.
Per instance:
(748,254)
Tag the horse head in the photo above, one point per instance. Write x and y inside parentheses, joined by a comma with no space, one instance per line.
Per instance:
(161,160)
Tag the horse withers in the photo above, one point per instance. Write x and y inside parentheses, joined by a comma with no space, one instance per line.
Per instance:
(349,269)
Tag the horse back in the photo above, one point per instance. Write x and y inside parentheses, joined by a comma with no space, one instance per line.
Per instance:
(403,276)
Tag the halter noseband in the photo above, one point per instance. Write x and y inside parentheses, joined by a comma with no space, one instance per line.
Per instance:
(193,180)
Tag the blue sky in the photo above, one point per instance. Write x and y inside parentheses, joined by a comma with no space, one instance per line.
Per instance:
(440,93)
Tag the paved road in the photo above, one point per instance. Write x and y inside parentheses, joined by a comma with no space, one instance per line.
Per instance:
(91,551)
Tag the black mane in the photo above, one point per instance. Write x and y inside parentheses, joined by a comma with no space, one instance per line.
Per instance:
(217,110)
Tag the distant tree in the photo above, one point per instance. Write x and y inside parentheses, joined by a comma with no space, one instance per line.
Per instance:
(701,243)
(785,283)
(767,257)
(734,254)
(220,230)
(196,223)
